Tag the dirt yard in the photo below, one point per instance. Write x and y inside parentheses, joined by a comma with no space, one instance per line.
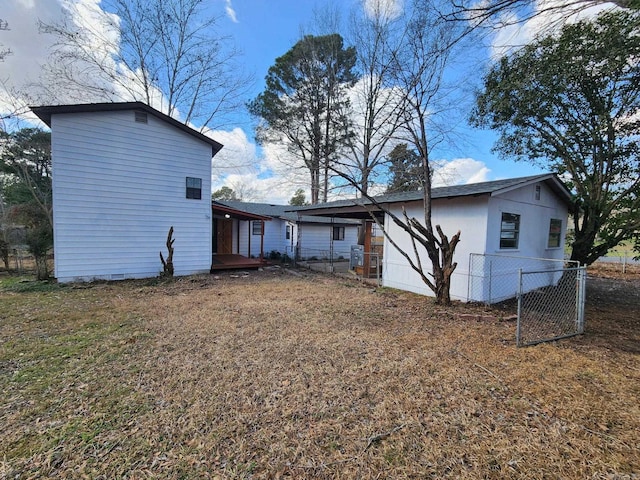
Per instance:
(280,374)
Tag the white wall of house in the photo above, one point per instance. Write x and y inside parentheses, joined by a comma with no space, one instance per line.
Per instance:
(312,239)
(315,240)
(465,214)
(536,209)
(479,220)
(118,186)
(274,234)
(535,216)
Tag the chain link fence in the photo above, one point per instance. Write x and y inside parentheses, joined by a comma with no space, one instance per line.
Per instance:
(495,278)
(550,293)
(550,312)
(328,261)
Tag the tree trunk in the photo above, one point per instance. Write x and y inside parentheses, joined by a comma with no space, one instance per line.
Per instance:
(42,268)
(167,265)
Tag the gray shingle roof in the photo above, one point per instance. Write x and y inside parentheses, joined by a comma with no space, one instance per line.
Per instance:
(471,189)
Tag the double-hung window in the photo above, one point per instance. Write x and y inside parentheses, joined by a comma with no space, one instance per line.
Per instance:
(510,230)
(555,229)
(194,188)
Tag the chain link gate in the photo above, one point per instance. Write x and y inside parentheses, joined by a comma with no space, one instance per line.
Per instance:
(550,293)
(550,305)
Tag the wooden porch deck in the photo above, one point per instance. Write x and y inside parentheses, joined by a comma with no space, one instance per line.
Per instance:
(233,261)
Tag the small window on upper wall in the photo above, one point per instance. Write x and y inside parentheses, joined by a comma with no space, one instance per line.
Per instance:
(509,230)
(538,192)
(256,227)
(338,233)
(555,229)
(288,234)
(194,188)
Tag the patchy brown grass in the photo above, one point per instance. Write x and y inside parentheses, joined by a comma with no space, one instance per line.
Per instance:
(276,375)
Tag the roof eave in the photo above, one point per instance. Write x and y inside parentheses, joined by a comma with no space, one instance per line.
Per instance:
(44,113)
(550,179)
(235,213)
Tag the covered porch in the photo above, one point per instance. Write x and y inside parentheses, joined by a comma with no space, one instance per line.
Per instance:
(232,261)
(226,254)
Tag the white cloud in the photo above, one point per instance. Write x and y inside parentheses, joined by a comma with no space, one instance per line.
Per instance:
(28,48)
(547,17)
(266,175)
(31,52)
(383,9)
(238,156)
(231,13)
(460,171)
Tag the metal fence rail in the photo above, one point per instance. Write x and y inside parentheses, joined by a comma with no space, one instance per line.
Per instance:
(494,278)
(550,312)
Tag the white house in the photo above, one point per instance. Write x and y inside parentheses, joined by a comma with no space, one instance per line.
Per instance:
(291,234)
(123,174)
(524,219)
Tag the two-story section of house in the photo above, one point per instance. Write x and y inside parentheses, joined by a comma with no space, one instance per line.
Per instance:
(123,175)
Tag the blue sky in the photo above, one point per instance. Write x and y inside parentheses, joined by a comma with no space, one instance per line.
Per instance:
(264,30)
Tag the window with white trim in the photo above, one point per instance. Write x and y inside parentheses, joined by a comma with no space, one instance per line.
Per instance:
(194,188)
(256,227)
(338,233)
(555,230)
(509,230)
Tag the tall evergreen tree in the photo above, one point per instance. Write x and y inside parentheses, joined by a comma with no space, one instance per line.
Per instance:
(404,169)
(304,105)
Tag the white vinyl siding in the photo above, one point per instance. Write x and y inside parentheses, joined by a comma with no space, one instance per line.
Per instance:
(273,237)
(316,241)
(469,215)
(480,221)
(119,185)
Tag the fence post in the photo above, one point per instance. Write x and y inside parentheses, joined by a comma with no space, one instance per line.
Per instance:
(469,277)
(582,283)
(519,307)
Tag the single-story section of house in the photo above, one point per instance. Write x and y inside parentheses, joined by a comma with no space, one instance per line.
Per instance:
(287,232)
(521,218)
(123,175)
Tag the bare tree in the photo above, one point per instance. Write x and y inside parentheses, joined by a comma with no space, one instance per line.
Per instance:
(496,14)
(4,51)
(419,58)
(374,102)
(244,191)
(166,53)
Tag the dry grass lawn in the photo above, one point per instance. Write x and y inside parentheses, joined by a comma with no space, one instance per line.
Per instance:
(276,375)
